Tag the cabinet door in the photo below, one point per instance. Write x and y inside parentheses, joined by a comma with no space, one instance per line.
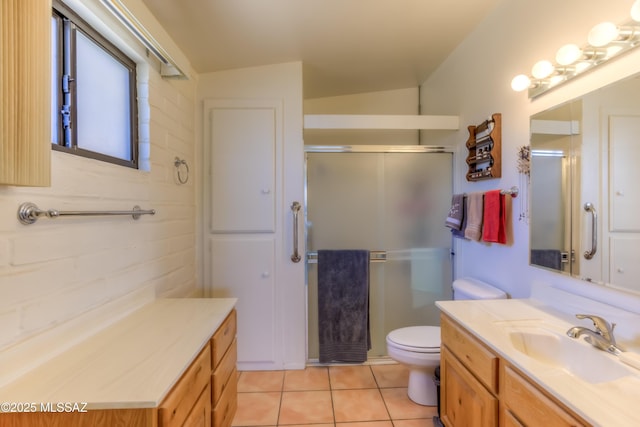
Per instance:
(187,393)
(529,405)
(624,267)
(507,419)
(624,153)
(243,169)
(25,93)
(243,268)
(200,415)
(227,405)
(465,402)
(479,359)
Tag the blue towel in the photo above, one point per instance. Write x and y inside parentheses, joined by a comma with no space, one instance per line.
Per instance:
(343,305)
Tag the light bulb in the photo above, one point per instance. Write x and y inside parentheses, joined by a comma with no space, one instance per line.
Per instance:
(603,34)
(635,11)
(542,69)
(568,54)
(520,83)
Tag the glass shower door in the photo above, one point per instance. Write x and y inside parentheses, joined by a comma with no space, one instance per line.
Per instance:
(392,202)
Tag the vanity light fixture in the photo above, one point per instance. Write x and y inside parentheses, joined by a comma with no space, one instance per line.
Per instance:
(605,41)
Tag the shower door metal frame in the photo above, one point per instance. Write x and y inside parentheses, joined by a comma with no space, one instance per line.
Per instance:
(377,149)
(311,258)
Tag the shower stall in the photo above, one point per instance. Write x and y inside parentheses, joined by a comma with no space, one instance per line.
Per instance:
(392,201)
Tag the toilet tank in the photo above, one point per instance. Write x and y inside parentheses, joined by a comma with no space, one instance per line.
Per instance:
(469,288)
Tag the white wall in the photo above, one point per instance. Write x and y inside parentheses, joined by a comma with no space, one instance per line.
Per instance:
(508,42)
(399,101)
(67,270)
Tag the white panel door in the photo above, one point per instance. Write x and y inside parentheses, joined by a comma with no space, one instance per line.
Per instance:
(243,169)
(254,286)
(624,152)
(618,225)
(254,166)
(625,262)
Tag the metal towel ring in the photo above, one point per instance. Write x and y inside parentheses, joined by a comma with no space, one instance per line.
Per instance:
(181,162)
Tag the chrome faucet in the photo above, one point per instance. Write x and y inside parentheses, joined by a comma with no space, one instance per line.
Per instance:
(602,337)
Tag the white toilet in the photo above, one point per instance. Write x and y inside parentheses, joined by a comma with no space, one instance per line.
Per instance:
(418,347)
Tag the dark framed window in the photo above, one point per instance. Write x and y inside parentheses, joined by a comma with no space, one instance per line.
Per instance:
(94,109)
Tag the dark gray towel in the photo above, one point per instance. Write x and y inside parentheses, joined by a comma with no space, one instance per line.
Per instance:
(343,305)
(456,212)
(550,258)
(460,233)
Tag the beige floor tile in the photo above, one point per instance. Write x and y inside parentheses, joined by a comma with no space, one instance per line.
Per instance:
(414,423)
(402,408)
(367,424)
(359,405)
(257,409)
(391,376)
(311,425)
(351,377)
(305,407)
(256,381)
(307,379)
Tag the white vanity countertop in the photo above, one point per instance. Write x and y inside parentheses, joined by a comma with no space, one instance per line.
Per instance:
(131,364)
(610,403)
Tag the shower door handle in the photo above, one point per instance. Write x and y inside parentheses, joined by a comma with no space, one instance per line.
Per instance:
(295,209)
(594,230)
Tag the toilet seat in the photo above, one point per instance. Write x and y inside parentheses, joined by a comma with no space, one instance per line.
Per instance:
(417,339)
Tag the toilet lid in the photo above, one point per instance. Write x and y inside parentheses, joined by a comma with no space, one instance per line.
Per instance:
(424,339)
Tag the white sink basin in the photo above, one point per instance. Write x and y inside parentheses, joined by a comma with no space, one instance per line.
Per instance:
(571,355)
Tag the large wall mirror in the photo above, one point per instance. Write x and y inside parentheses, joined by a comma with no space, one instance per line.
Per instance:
(585,186)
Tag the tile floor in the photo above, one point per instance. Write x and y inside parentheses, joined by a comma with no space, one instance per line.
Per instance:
(340,396)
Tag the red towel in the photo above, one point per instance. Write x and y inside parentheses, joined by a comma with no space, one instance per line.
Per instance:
(493,229)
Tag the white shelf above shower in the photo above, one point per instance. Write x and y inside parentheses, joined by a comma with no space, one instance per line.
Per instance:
(359,121)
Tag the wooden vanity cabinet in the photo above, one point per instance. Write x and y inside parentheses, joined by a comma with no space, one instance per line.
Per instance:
(25,93)
(469,379)
(200,415)
(224,379)
(204,395)
(185,395)
(478,388)
(524,404)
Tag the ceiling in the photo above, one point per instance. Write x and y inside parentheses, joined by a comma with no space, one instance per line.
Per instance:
(346,46)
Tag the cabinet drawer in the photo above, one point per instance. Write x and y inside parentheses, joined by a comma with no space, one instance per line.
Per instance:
(181,399)
(226,406)
(480,361)
(222,338)
(507,419)
(223,371)
(529,405)
(465,402)
(200,415)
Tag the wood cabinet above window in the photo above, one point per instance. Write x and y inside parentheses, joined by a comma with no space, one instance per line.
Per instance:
(25,93)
